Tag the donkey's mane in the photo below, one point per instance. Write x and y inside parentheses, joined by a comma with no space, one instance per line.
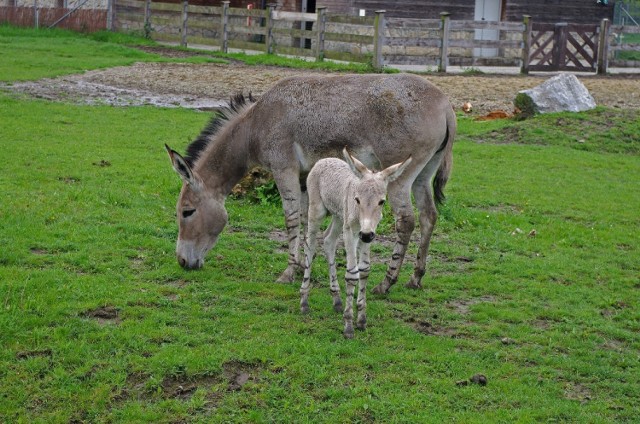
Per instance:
(233,108)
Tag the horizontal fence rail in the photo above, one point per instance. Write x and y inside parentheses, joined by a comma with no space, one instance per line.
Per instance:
(378,40)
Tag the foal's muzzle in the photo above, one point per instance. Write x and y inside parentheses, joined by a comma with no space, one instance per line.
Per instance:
(367,237)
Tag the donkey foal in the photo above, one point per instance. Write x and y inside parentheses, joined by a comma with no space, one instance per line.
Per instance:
(354,197)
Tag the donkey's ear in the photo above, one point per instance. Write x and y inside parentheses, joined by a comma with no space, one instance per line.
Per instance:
(393,172)
(356,166)
(180,165)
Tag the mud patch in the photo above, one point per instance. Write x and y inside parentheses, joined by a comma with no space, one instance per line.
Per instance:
(44,353)
(104,315)
(233,377)
(463,306)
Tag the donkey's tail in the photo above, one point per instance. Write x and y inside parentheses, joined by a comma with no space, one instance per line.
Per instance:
(442,175)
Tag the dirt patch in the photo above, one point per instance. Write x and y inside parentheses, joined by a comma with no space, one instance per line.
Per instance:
(206,86)
(103,315)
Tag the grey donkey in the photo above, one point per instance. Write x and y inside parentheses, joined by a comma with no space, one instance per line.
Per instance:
(354,196)
(382,119)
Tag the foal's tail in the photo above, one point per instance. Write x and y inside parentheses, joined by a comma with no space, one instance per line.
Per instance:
(442,175)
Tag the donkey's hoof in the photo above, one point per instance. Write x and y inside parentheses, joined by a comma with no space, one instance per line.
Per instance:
(380,289)
(348,333)
(361,325)
(413,284)
(288,276)
(304,309)
(338,307)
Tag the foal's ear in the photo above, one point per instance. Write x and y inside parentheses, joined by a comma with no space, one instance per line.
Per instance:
(181,167)
(356,166)
(393,172)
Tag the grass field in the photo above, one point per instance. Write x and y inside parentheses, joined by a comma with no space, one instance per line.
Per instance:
(533,281)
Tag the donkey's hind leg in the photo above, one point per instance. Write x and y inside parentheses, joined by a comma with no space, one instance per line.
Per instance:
(330,242)
(400,202)
(428,216)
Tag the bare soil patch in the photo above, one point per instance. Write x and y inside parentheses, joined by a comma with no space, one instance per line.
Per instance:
(206,86)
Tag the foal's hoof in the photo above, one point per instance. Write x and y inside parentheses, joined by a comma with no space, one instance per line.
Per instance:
(348,334)
(380,289)
(304,309)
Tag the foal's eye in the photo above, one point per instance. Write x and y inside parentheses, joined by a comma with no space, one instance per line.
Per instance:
(381,202)
(188,212)
(357,200)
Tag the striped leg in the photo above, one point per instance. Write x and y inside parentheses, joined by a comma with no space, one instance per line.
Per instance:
(330,242)
(405,223)
(289,188)
(428,217)
(352,276)
(315,218)
(364,266)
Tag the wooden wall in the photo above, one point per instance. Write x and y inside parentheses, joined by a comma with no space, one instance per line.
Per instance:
(288,5)
(551,11)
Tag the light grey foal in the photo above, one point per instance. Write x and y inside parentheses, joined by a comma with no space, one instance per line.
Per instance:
(354,196)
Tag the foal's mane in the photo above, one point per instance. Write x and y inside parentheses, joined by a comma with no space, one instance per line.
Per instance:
(233,108)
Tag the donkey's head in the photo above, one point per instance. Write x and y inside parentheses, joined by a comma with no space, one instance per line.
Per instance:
(201,216)
(370,193)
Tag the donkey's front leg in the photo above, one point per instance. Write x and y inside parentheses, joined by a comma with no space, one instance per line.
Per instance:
(352,276)
(289,188)
(364,266)
(309,252)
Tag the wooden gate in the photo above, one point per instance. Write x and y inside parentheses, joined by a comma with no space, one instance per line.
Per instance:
(563,47)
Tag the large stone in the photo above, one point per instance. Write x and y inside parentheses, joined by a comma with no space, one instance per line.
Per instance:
(561,93)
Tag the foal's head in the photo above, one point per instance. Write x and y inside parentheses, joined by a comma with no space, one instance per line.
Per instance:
(370,193)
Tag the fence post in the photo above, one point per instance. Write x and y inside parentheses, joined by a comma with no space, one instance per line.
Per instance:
(526,44)
(224,44)
(603,47)
(36,14)
(185,16)
(147,18)
(320,27)
(559,43)
(445,24)
(378,40)
(110,8)
(271,7)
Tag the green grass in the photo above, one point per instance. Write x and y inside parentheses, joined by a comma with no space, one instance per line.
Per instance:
(99,324)
(29,54)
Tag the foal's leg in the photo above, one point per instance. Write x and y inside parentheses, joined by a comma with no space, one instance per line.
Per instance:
(352,276)
(315,218)
(364,266)
(400,201)
(330,242)
(289,188)
(428,217)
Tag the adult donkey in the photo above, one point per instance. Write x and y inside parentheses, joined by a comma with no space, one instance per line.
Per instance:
(381,119)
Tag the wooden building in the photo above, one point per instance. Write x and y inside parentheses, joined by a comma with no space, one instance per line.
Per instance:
(542,11)
(548,11)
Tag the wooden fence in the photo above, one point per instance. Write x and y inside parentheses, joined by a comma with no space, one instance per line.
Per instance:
(379,40)
(84,20)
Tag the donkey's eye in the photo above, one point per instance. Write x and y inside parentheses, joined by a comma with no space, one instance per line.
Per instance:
(357,200)
(381,202)
(188,212)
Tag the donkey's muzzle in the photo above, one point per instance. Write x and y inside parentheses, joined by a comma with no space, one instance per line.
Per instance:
(367,237)
(190,265)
